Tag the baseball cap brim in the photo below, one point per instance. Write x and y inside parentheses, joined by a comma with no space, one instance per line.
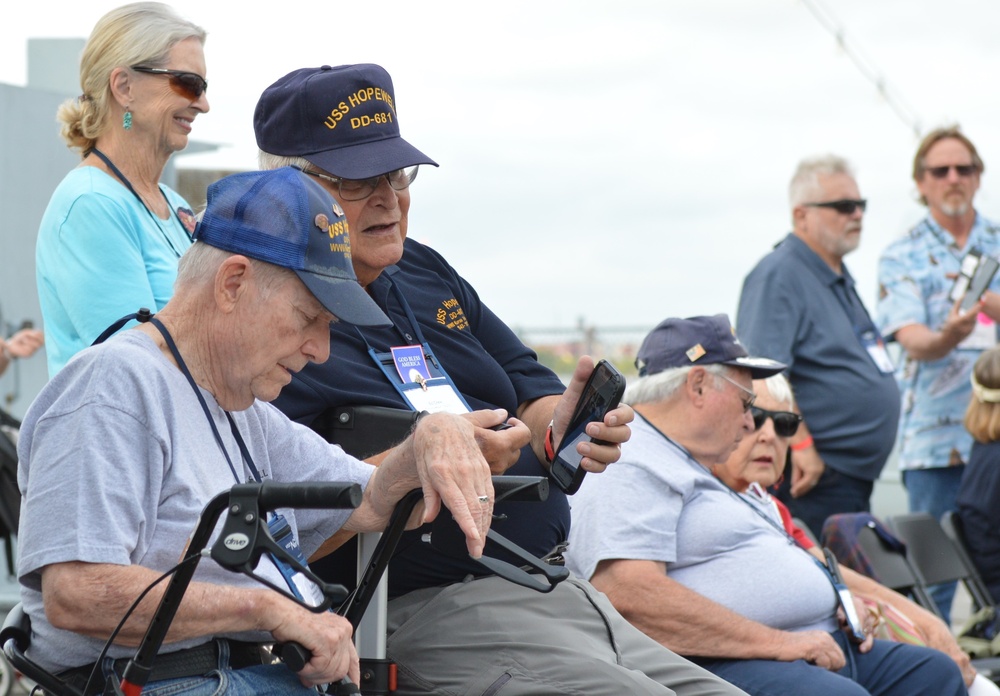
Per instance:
(760,368)
(369,159)
(345,299)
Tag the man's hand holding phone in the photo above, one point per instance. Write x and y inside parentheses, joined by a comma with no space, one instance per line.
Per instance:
(608,432)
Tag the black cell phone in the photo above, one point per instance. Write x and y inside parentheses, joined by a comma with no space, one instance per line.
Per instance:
(27,324)
(602,393)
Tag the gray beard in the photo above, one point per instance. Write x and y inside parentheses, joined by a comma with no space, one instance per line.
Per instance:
(955,210)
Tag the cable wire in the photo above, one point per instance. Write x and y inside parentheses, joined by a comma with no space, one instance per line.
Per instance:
(885,89)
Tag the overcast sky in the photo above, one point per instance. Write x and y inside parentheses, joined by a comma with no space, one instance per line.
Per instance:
(619,162)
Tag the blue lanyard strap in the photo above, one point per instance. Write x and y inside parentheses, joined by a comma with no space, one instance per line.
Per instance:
(204,407)
(128,184)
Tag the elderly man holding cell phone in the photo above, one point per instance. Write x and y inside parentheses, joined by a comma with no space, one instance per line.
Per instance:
(453,626)
(705,571)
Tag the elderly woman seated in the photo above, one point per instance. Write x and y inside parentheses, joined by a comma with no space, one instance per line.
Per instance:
(756,466)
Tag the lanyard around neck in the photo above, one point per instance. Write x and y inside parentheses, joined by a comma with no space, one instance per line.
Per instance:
(409,315)
(244,451)
(128,184)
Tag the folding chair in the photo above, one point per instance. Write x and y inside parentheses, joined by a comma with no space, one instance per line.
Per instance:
(891,568)
(936,556)
(951,523)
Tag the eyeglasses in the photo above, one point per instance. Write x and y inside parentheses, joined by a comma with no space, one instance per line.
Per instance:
(786,423)
(845,206)
(960,169)
(187,84)
(748,402)
(360,189)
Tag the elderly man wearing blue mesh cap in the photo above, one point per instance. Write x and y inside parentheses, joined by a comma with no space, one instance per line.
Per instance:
(454,627)
(122,450)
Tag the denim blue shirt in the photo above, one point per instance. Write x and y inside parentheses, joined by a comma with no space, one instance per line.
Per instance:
(914,287)
(796,309)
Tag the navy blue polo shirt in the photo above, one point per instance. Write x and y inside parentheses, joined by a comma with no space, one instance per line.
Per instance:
(797,310)
(489,365)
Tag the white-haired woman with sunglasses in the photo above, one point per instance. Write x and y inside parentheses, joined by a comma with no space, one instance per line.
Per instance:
(111,235)
(757,465)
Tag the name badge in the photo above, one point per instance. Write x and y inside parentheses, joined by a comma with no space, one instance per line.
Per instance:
(875,346)
(422,391)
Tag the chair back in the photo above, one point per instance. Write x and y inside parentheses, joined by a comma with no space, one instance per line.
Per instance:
(892,569)
(951,523)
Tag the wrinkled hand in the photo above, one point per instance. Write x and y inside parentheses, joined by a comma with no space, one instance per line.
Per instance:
(807,468)
(614,429)
(869,622)
(453,471)
(815,647)
(500,449)
(24,343)
(326,635)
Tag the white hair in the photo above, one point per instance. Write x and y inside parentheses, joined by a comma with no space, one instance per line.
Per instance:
(200,262)
(780,390)
(663,385)
(805,187)
(265,160)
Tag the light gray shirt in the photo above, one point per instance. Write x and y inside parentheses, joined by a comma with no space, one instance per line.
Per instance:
(659,504)
(117,461)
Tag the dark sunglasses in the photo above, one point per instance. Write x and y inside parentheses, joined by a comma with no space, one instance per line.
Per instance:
(845,206)
(786,423)
(960,169)
(187,84)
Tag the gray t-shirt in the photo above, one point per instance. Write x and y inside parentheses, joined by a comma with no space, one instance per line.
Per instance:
(117,461)
(658,504)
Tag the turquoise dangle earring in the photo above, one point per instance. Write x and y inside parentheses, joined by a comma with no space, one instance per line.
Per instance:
(127,119)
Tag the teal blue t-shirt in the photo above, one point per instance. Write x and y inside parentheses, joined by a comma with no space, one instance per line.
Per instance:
(101,255)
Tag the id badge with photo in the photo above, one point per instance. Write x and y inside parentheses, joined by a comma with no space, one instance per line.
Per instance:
(420,380)
(875,346)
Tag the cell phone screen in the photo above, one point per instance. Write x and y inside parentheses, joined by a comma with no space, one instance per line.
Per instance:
(602,393)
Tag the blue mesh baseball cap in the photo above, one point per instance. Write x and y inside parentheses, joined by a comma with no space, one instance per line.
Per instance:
(342,119)
(699,341)
(283,217)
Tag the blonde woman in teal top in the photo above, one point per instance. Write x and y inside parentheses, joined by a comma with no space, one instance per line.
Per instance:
(111,235)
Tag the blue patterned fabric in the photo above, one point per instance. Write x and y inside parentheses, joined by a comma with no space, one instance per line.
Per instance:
(916,273)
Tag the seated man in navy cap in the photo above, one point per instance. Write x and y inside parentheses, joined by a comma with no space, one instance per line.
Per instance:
(453,626)
(121,451)
(702,569)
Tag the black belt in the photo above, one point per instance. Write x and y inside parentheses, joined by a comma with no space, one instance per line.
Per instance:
(192,662)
